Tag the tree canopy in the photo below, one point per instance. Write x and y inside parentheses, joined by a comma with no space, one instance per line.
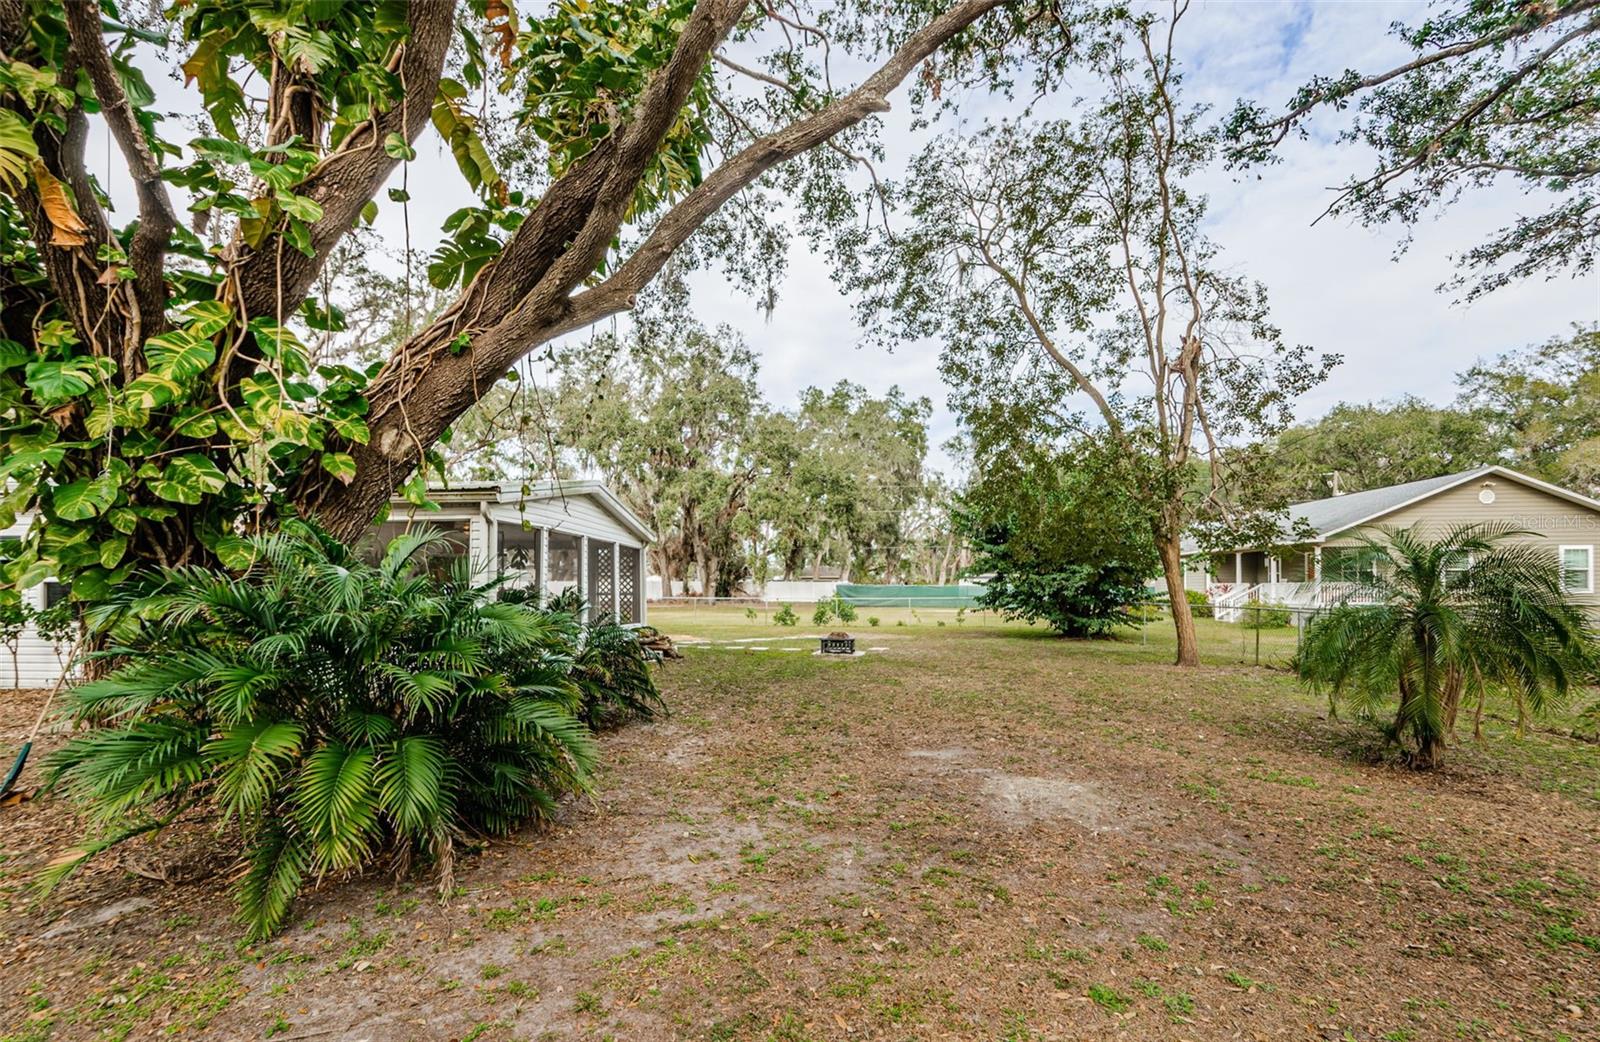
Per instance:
(1496,91)
(160,395)
(1066,261)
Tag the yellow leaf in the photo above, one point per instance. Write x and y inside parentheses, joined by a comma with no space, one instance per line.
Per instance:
(69,227)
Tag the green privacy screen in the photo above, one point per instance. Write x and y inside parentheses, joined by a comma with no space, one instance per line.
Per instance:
(951,597)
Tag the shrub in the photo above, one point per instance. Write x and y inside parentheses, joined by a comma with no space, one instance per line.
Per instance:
(1257,616)
(872,620)
(335,713)
(823,613)
(613,676)
(750,613)
(1199,604)
(785,616)
(843,610)
(1077,601)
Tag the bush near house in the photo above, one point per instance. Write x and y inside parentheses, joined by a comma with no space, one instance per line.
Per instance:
(1258,616)
(335,714)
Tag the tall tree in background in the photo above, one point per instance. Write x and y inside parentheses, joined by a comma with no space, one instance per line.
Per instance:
(1077,247)
(158,394)
(1496,91)
(1543,402)
(838,477)
(1356,447)
(669,425)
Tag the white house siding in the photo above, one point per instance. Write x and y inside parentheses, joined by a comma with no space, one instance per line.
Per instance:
(39,662)
(577,514)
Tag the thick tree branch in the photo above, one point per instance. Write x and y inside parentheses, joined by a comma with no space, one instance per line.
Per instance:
(760,156)
(422,392)
(347,179)
(148,250)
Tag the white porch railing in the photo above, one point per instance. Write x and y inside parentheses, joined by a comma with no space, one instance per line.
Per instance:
(1228,600)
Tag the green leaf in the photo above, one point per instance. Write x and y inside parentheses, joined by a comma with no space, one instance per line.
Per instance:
(53,381)
(340,464)
(207,318)
(369,212)
(17,150)
(122,519)
(334,804)
(301,208)
(396,147)
(219,149)
(411,781)
(350,428)
(252,757)
(179,354)
(278,865)
(188,479)
(112,550)
(85,498)
(12,354)
(235,553)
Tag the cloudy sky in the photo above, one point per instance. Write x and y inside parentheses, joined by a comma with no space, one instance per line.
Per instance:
(1336,286)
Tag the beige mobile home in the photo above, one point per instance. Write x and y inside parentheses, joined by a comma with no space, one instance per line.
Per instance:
(1560,520)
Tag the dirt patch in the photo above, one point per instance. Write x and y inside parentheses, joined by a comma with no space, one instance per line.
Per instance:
(1020,799)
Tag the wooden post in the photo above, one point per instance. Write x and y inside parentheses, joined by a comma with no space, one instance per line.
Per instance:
(1238,566)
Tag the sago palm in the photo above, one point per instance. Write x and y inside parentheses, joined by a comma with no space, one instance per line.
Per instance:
(1440,619)
(333,712)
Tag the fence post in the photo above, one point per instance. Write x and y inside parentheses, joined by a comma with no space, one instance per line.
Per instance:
(1258,636)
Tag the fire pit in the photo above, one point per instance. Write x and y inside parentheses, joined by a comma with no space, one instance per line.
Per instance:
(838,644)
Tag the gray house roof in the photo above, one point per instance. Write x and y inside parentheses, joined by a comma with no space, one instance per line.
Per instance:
(1336,513)
(1328,517)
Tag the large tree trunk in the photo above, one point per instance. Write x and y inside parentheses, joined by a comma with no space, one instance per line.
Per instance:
(1168,546)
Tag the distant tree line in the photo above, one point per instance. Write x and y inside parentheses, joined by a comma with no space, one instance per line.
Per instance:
(738,490)
(1536,410)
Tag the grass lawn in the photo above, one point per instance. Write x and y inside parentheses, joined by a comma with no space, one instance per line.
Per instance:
(978,832)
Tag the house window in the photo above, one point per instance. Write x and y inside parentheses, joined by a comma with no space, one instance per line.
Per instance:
(1455,568)
(437,561)
(1577,569)
(519,555)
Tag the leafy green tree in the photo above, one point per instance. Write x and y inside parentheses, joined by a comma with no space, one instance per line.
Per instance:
(1438,620)
(837,479)
(668,422)
(1356,447)
(1057,536)
(1496,91)
(333,712)
(1544,403)
(1070,254)
(161,398)
(15,617)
